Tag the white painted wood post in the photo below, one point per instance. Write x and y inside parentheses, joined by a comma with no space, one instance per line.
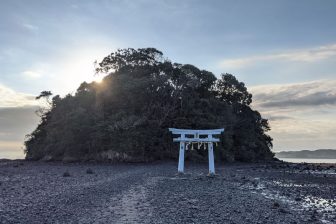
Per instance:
(211,158)
(181,158)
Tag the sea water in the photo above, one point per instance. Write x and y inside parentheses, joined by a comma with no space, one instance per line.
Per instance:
(307,160)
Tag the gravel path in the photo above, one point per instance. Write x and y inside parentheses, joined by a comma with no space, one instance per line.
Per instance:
(36,192)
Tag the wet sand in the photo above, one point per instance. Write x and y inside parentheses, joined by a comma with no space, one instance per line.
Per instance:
(39,192)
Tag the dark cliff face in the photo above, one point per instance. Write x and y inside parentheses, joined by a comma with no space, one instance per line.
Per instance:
(316,154)
(126,117)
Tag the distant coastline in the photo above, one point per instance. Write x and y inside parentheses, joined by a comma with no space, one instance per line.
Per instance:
(315,156)
(309,160)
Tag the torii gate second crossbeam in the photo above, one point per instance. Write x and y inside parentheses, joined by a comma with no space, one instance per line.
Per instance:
(198,136)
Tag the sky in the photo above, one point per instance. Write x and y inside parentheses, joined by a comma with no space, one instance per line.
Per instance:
(283,50)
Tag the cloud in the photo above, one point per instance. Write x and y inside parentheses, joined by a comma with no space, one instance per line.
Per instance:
(74,6)
(11,150)
(32,74)
(303,132)
(301,115)
(11,98)
(30,26)
(304,55)
(306,94)
(15,123)
(315,99)
(279,118)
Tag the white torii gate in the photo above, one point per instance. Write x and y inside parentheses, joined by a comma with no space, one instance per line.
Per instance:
(196,138)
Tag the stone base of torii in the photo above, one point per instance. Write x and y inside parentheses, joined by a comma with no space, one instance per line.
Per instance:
(199,137)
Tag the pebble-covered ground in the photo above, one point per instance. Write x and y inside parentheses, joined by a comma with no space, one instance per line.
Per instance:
(37,192)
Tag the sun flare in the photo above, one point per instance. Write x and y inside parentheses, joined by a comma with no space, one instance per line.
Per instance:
(98,78)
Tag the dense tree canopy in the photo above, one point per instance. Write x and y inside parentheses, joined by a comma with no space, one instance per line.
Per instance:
(127,116)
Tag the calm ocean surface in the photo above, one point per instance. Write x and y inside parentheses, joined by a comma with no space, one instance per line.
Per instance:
(305,160)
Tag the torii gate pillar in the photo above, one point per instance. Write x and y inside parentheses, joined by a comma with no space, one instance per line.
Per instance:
(211,158)
(181,158)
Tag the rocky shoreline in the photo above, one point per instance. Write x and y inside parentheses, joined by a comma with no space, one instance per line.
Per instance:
(54,192)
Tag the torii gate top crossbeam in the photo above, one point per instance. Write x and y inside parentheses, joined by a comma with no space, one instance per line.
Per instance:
(186,135)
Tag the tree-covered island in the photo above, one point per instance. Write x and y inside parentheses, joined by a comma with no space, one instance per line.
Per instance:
(126,116)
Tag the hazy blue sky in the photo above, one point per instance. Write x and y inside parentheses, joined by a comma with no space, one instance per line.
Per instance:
(285,52)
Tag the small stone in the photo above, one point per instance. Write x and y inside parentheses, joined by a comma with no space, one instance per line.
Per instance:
(66,174)
(276,205)
(89,171)
(298,199)
(283,210)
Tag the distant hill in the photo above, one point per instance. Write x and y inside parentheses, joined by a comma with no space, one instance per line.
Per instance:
(316,154)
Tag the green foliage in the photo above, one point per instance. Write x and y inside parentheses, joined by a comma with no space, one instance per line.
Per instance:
(230,90)
(45,94)
(127,115)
